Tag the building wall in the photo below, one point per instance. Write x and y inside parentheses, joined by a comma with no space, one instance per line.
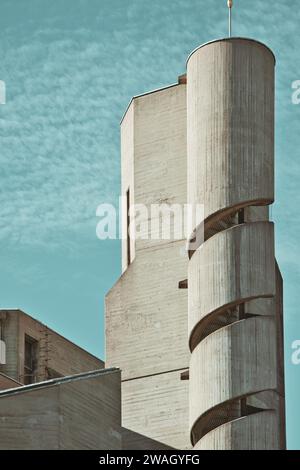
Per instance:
(235,298)
(79,413)
(248,432)
(30,420)
(91,413)
(8,382)
(127,183)
(10,334)
(56,355)
(146,313)
(146,327)
(157,406)
(230,125)
(135,441)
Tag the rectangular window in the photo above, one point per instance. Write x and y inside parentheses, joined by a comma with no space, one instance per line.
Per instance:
(30,360)
(128,226)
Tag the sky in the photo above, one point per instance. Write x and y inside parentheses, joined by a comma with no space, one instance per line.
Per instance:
(70,68)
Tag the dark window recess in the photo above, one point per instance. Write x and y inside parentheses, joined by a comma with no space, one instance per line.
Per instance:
(242,314)
(185,375)
(241,216)
(30,360)
(183,284)
(128,227)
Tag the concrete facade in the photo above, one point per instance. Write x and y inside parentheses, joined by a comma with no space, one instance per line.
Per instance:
(235,327)
(249,432)
(216,129)
(196,329)
(79,412)
(230,126)
(146,314)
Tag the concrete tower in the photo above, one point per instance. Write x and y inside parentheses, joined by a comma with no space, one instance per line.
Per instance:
(207,140)
(146,313)
(234,286)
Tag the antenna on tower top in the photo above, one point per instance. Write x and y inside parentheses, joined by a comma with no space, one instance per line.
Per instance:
(230,5)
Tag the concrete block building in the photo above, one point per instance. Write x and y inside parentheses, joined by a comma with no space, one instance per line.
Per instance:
(78,412)
(146,313)
(202,366)
(35,353)
(53,394)
(194,325)
(235,292)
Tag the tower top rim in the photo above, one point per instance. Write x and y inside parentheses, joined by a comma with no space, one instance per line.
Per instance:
(231,39)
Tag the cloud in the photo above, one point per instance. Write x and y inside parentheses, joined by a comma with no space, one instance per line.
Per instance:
(71,68)
(69,79)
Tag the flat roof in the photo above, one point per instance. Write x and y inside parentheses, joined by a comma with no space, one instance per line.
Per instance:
(145,94)
(58,381)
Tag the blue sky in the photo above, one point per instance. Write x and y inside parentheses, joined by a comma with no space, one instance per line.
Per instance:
(70,68)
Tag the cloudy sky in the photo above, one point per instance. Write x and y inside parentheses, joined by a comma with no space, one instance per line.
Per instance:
(70,68)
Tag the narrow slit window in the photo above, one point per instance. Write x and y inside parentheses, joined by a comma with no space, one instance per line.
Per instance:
(241,216)
(128,226)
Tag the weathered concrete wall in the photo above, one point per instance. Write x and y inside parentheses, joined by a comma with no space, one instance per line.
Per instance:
(233,266)
(157,406)
(145,321)
(235,316)
(249,432)
(146,313)
(280,356)
(160,174)
(230,129)
(78,413)
(240,360)
(30,420)
(91,413)
(134,441)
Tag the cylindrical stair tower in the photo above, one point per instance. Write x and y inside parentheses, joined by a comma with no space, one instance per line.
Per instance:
(234,285)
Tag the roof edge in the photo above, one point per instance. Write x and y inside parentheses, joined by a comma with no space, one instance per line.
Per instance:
(145,94)
(58,381)
(231,39)
(22,312)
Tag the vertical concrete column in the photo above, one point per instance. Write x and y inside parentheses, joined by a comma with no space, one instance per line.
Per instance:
(236,395)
